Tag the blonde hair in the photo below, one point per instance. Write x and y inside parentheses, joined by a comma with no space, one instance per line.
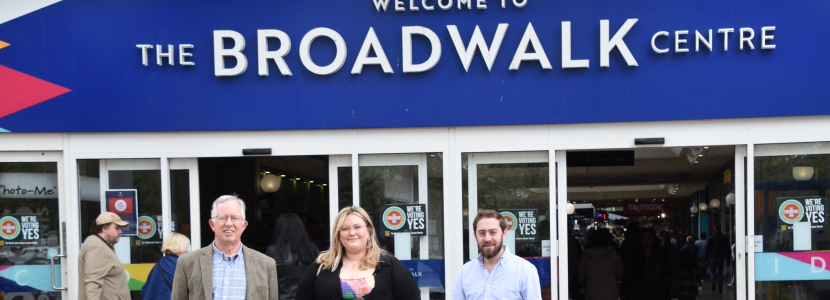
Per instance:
(331,257)
(175,243)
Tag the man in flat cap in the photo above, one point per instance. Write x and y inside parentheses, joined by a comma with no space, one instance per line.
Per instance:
(101,275)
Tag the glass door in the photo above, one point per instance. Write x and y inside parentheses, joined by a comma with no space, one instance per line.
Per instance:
(404,195)
(516,184)
(148,198)
(790,249)
(32,235)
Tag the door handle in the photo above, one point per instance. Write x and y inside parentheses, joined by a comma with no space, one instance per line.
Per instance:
(52,273)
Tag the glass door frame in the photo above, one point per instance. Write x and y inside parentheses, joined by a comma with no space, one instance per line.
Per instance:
(742,227)
(515,157)
(64,224)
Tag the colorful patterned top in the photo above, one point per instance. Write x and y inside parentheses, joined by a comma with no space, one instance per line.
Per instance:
(356,288)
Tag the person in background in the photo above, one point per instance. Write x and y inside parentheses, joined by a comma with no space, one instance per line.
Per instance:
(672,251)
(690,245)
(731,284)
(159,284)
(574,255)
(633,284)
(686,275)
(495,273)
(355,267)
(292,251)
(657,268)
(717,249)
(600,268)
(701,255)
(101,274)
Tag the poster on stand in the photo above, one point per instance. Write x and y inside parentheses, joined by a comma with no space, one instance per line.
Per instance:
(124,203)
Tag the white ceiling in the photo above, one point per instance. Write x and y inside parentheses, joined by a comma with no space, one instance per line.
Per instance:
(655,170)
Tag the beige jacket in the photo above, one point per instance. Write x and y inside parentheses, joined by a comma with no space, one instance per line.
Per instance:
(194,275)
(100,272)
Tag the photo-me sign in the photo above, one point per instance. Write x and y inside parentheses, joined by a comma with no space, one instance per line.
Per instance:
(639,209)
(337,64)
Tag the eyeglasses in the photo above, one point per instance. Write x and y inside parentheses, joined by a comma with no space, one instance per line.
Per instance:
(347,230)
(224,219)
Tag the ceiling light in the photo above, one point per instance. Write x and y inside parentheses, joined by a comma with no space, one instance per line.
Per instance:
(267,172)
(298,178)
(324,184)
(282,175)
(707,148)
(803,173)
(270,183)
(311,181)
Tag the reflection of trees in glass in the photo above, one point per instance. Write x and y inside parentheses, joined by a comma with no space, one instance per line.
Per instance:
(774,179)
(517,186)
(514,186)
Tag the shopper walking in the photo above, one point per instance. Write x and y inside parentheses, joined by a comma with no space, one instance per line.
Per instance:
(717,249)
(686,276)
(355,267)
(101,274)
(293,252)
(658,269)
(159,284)
(600,268)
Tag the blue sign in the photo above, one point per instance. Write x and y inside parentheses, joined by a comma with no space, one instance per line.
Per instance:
(428,273)
(88,66)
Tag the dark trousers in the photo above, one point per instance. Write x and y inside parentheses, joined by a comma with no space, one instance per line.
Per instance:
(716,271)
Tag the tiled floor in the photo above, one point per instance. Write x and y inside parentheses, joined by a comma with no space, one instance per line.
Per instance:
(706,293)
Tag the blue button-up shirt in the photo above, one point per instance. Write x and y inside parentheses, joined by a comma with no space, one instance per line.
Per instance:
(229,281)
(511,278)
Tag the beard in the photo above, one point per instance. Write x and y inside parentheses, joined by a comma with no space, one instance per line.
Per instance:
(488,254)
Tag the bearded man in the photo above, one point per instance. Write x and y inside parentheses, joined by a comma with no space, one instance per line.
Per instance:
(495,273)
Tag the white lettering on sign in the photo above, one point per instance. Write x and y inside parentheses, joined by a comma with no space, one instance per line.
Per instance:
(815,268)
(415,216)
(745,38)
(383,5)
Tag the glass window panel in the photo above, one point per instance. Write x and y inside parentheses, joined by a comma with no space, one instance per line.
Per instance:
(791,190)
(344,187)
(518,186)
(180,201)
(397,184)
(29,227)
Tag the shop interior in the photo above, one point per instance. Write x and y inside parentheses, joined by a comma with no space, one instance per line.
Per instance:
(270,186)
(681,191)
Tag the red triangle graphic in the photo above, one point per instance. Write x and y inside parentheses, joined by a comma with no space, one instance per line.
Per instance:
(19,91)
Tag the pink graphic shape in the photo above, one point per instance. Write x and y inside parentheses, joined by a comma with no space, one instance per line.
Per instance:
(807,257)
(19,91)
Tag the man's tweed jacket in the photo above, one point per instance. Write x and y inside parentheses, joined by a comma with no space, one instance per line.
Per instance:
(194,275)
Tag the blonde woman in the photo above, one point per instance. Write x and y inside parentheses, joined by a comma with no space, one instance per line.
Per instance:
(159,283)
(355,267)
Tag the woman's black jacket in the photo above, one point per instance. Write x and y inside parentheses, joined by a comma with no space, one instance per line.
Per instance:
(392,281)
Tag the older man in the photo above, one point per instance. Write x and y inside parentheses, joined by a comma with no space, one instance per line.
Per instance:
(226,269)
(100,271)
(496,273)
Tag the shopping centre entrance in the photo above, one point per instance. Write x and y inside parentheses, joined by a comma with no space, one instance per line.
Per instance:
(623,201)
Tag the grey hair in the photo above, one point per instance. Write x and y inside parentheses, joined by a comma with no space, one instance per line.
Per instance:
(224,198)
